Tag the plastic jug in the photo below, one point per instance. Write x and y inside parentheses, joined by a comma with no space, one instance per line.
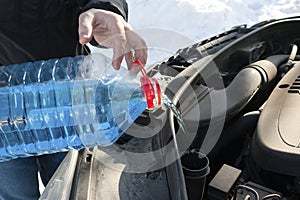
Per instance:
(69,103)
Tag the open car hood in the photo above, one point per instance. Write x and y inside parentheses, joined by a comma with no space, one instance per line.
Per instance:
(237,94)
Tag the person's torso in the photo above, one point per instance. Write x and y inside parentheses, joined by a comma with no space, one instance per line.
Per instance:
(37,29)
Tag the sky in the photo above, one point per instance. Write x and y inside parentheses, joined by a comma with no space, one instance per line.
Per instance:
(199,19)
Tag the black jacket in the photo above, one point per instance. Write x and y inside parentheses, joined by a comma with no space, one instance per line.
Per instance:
(41,29)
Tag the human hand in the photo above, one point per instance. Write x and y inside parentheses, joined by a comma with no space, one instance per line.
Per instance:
(111,30)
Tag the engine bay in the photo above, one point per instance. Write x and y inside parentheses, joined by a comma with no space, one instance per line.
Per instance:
(259,142)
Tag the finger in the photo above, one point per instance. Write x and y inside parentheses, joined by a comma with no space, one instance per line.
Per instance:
(138,44)
(118,42)
(141,55)
(130,61)
(85,27)
(129,57)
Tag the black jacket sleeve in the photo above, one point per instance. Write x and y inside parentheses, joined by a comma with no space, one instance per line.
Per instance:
(116,6)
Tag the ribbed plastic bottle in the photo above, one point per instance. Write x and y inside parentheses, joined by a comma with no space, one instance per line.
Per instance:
(69,103)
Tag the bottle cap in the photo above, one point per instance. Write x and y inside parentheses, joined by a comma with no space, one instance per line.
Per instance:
(150,86)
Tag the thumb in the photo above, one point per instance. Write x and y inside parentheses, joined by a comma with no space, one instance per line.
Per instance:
(85,27)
